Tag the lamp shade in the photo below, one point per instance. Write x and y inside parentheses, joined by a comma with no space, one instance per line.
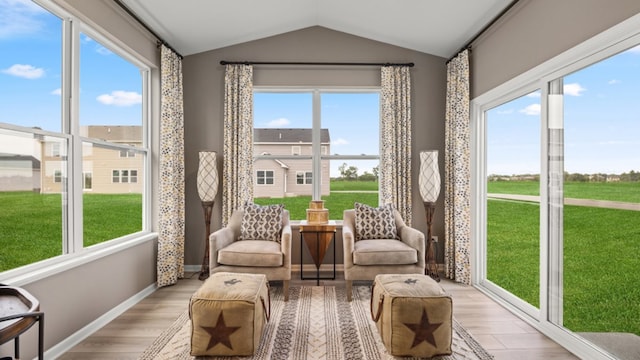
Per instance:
(207,176)
(429,179)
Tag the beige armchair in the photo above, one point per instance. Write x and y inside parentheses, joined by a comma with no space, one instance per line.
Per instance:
(365,258)
(230,254)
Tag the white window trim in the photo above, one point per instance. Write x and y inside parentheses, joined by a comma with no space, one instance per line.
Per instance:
(316,154)
(610,42)
(74,253)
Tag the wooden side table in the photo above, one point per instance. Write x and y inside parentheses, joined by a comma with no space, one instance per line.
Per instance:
(318,238)
(19,310)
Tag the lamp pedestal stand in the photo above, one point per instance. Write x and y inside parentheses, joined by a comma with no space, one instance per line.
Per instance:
(431,267)
(207,206)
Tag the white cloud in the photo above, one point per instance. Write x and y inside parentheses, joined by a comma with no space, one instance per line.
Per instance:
(535,94)
(278,122)
(19,18)
(340,141)
(57,91)
(24,71)
(614,82)
(533,109)
(120,98)
(573,89)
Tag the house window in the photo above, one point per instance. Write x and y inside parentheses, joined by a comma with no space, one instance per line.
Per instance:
(127,154)
(304,177)
(87,180)
(92,107)
(264,177)
(559,147)
(285,124)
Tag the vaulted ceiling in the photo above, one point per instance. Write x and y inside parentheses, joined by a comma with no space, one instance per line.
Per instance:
(437,27)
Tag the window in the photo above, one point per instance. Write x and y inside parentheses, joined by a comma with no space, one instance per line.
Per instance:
(553,217)
(264,177)
(57,176)
(86,176)
(308,147)
(304,177)
(61,148)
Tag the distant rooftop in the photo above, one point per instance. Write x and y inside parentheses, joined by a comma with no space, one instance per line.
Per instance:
(271,135)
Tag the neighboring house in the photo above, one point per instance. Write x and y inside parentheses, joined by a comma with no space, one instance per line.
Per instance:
(104,170)
(287,177)
(19,173)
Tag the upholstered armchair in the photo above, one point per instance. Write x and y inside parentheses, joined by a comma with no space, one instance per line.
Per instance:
(370,247)
(240,247)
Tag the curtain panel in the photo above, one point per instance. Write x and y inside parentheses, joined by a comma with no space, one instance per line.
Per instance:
(457,202)
(237,170)
(395,139)
(170,263)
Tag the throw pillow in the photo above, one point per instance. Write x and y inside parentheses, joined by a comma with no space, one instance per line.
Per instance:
(375,223)
(261,222)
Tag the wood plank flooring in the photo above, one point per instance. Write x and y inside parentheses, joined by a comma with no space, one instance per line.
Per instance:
(500,332)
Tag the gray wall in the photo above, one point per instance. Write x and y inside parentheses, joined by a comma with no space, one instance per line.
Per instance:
(76,297)
(535,31)
(204,92)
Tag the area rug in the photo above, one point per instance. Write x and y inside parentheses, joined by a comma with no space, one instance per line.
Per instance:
(316,323)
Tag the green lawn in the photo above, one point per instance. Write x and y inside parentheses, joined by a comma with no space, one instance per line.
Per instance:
(600,245)
(614,191)
(600,258)
(31,223)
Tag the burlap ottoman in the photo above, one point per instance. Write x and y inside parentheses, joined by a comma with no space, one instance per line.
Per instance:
(413,315)
(228,314)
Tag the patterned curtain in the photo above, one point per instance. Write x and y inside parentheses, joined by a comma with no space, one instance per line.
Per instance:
(395,139)
(237,173)
(171,223)
(457,208)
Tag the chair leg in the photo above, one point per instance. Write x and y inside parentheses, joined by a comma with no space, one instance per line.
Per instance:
(285,289)
(349,289)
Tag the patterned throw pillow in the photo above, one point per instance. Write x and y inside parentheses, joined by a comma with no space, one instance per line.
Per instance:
(375,223)
(261,222)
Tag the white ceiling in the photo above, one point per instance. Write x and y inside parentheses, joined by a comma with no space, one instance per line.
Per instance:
(438,27)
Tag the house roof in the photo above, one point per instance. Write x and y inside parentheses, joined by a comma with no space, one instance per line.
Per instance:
(274,135)
(437,27)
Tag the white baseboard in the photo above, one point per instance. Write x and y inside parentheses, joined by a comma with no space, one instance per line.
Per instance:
(77,337)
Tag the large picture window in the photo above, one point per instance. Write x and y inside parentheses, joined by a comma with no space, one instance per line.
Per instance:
(559,222)
(321,144)
(57,159)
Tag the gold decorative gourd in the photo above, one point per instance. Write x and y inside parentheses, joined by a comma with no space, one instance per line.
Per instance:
(316,213)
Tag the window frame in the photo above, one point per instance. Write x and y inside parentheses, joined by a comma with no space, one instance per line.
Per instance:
(608,43)
(265,177)
(73,251)
(317,153)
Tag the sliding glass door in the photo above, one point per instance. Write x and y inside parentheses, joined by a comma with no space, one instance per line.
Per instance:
(557,171)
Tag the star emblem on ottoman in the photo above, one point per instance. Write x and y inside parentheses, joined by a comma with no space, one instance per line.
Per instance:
(220,333)
(423,330)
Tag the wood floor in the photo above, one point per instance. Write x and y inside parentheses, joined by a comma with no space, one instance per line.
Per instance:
(500,332)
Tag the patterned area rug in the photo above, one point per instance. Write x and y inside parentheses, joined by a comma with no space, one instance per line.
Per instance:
(316,323)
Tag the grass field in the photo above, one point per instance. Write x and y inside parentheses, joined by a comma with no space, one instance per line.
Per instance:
(600,254)
(601,274)
(31,223)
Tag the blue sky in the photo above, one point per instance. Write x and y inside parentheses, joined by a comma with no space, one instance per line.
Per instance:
(30,73)
(601,121)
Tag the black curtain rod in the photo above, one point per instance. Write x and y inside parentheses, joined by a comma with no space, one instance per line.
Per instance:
(224,62)
(136,18)
(484,29)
